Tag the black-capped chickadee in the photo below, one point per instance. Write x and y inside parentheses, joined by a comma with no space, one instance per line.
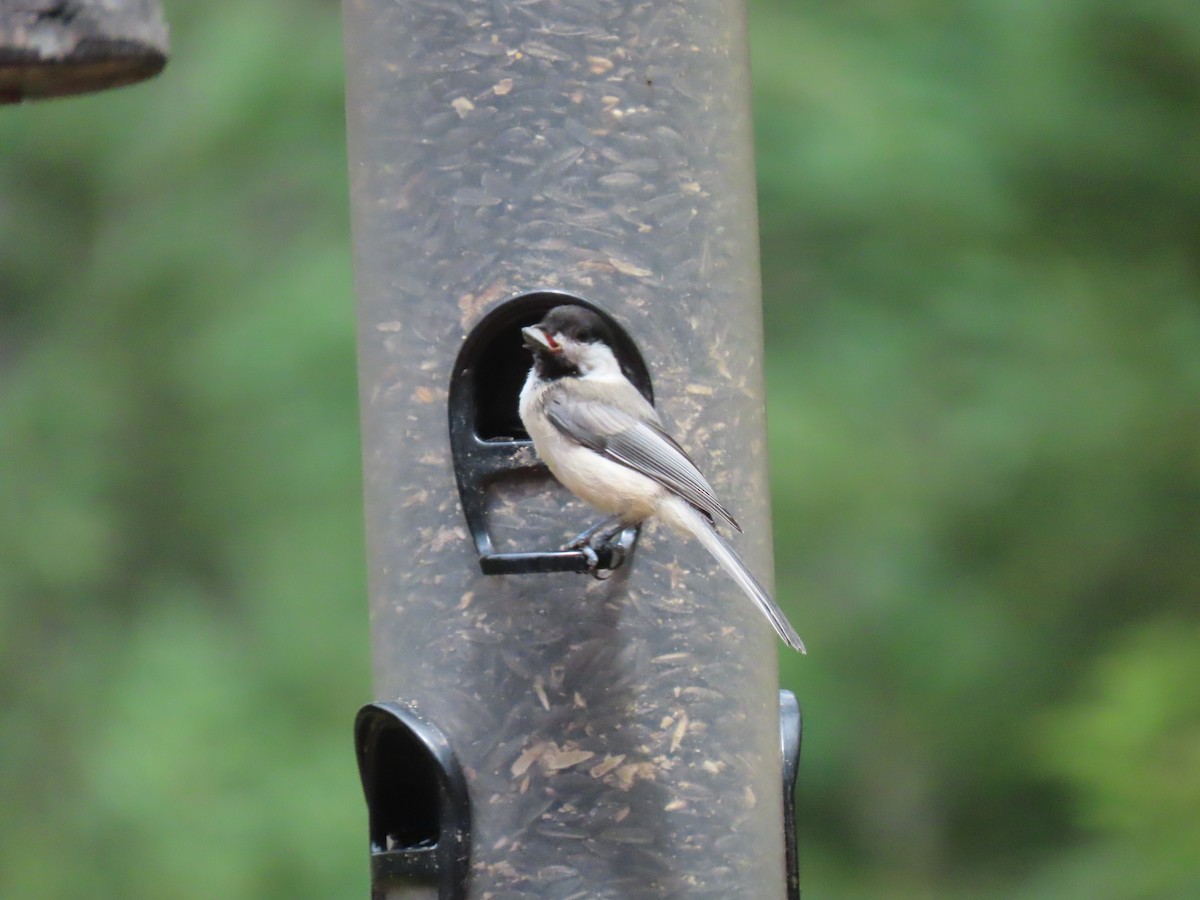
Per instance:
(605,442)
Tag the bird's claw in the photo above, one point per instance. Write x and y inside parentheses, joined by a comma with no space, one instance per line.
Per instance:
(602,543)
(614,551)
(592,558)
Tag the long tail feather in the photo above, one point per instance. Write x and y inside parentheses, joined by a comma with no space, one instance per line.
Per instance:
(684,517)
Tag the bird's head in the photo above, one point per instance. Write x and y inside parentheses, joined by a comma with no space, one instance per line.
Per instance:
(571,340)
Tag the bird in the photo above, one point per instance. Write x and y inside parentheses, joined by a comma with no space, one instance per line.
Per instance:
(604,441)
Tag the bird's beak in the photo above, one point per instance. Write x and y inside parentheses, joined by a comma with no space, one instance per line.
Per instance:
(536,339)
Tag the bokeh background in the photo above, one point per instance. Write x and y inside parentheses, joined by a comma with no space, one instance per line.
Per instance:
(981,251)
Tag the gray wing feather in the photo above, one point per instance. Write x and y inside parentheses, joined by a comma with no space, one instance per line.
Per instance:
(640,444)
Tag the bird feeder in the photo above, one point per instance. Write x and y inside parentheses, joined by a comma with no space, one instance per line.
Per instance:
(543,726)
(53,48)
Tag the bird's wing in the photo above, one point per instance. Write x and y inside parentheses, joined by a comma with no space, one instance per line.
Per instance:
(640,444)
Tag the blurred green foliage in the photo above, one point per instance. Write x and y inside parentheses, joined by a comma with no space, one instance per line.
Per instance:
(980,227)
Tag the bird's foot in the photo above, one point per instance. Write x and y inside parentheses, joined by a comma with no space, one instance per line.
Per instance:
(605,546)
(612,554)
(592,558)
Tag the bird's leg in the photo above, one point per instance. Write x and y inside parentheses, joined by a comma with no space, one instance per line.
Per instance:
(606,527)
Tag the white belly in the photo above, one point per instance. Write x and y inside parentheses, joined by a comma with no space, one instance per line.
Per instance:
(608,486)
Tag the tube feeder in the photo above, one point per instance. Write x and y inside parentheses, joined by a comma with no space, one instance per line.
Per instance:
(540,732)
(54,48)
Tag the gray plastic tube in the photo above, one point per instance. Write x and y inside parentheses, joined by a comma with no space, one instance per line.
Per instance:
(620,738)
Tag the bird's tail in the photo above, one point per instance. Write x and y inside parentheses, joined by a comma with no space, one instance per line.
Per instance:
(684,517)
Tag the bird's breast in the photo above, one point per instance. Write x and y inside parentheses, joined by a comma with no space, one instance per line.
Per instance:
(607,485)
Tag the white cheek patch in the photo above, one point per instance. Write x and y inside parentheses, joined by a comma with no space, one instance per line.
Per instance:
(597,363)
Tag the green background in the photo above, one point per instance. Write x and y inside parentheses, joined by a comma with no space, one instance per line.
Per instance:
(981,250)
